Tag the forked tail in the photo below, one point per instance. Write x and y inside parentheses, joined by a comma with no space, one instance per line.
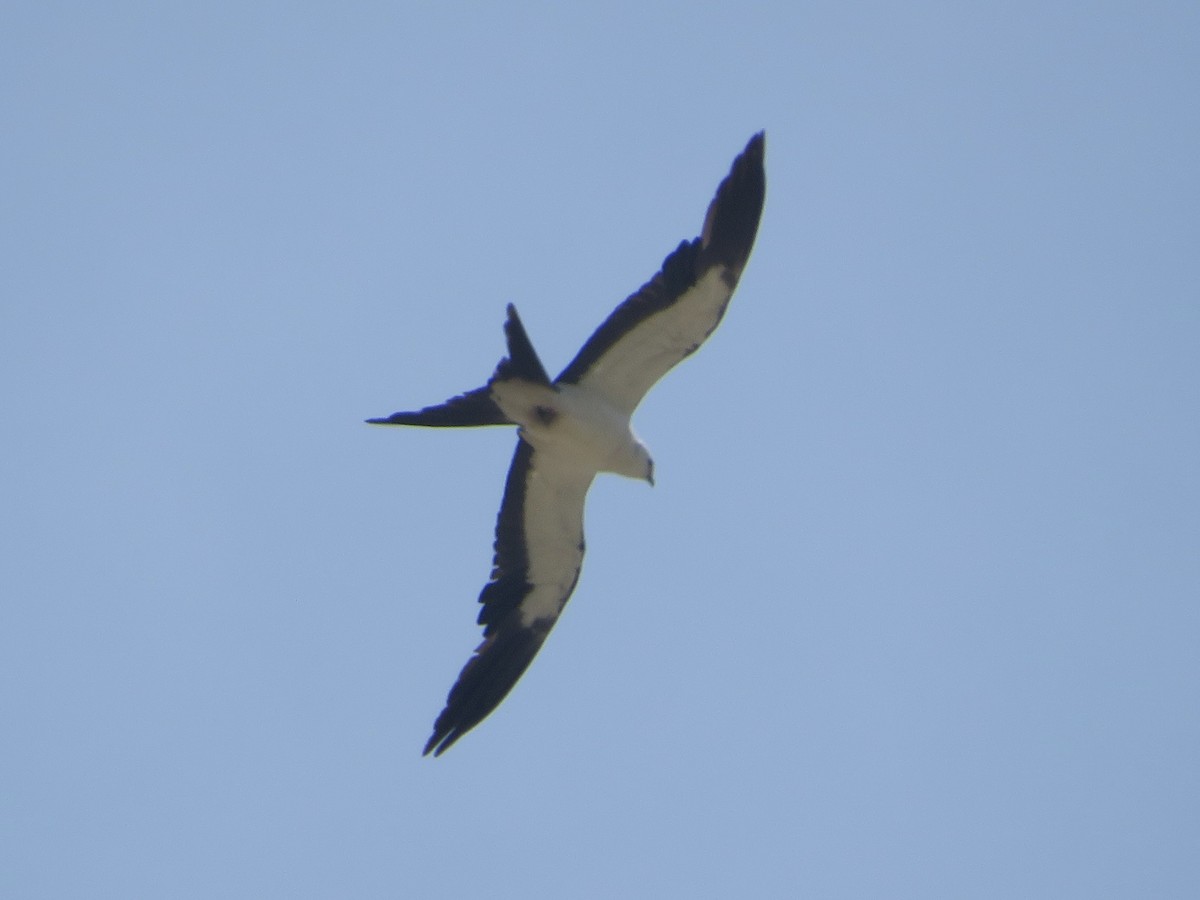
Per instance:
(477,407)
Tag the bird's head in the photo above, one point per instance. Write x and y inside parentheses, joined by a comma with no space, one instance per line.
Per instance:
(632,460)
(643,464)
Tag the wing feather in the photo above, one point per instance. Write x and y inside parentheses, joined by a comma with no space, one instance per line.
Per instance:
(539,552)
(673,313)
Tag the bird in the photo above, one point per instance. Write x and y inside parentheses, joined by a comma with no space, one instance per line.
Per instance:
(576,426)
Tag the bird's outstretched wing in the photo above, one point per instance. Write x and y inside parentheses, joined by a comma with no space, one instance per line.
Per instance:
(672,314)
(539,552)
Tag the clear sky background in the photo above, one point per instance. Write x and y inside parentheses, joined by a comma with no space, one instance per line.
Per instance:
(913,609)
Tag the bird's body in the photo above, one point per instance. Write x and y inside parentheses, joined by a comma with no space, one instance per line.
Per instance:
(577,426)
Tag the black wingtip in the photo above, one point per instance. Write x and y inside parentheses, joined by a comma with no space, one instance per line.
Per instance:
(754,151)
(431,743)
(731,223)
(486,680)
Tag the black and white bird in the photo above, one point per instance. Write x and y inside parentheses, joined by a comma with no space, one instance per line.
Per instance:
(576,426)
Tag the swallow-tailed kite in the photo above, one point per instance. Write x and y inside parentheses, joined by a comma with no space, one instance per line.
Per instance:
(576,426)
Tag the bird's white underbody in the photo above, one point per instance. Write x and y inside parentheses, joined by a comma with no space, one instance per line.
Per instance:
(575,428)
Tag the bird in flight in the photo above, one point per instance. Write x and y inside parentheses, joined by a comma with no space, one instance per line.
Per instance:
(576,426)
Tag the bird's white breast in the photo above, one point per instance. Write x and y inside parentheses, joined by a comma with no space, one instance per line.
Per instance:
(576,426)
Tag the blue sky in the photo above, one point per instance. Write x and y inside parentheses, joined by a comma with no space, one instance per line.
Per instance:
(912,610)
